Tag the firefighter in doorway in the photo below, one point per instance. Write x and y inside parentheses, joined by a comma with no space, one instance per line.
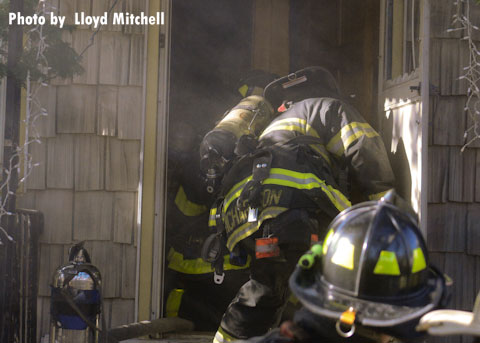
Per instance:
(285,175)
(190,294)
(368,282)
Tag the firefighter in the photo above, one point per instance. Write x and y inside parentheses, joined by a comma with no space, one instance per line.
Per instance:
(371,280)
(278,197)
(190,294)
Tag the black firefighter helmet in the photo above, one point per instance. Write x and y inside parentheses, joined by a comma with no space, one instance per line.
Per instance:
(373,271)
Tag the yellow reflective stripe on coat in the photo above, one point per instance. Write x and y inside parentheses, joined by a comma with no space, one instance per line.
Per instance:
(347,135)
(221,336)
(387,264)
(234,193)
(198,266)
(174,300)
(188,208)
(291,124)
(377,196)
(307,181)
(249,228)
(212,218)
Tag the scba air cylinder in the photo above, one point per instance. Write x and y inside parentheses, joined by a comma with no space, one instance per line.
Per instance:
(75,307)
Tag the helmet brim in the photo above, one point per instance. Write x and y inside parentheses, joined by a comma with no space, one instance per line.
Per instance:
(323,299)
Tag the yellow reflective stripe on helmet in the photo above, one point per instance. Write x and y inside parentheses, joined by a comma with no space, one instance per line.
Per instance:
(188,208)
(326,241)
(249,228)
(234,193)
(212,220)
(174,300)
(347,135)
(387,264)
(289,178)
(291,124)
(198,266)
(344,254)
(377,196)
(419,262)
(243,90)
(221,336)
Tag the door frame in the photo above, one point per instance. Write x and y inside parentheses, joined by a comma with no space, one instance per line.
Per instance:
(400,87)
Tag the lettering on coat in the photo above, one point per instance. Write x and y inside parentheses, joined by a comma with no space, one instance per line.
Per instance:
(234,217)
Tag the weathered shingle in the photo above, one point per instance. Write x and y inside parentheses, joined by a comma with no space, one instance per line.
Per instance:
(51,256)
(100,7)
(446,225)
(89,162)
(435,66)
(473,229)
(38,152)
(43,316)
(123,217)
(453,58)
(461,175)
(470,129)
(93,216)
(57,208)
(67,9)
(449,120)
(477,177)
(76,109)
(60,162)
(114,58)
(441,19)
(26,200)
(128,271)
(135,77)
(461,268)
(438,158)
(106,256)
(90,57)
(130,113)
(107,110)
(122,312)
(67,38)
(123,165)
(135,7)
(44,125)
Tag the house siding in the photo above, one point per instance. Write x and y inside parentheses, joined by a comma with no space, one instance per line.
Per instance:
(89,160)
(454,176)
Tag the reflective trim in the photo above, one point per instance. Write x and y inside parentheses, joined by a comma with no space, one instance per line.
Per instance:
(174,300)
(291,124)
(377,196)
(419,262)
(247,229)
(212,220)
(221,336)
(243,90)
(387,264)
(344,254)
(326,241)
(234,193)
(347,135)
(289,178)
(188,208)
(322,151)
(293,179)
(198,266)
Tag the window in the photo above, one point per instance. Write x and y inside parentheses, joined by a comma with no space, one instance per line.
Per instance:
(402,37)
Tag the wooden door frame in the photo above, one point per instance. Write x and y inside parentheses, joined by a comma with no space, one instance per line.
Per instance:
(423,97)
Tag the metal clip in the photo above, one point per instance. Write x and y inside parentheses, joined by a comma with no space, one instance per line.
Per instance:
(218,278)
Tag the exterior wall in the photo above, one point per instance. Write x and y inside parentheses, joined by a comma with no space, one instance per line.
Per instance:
(87,181)
(453,176)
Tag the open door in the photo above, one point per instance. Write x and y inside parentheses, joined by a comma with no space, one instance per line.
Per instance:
(403,94)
